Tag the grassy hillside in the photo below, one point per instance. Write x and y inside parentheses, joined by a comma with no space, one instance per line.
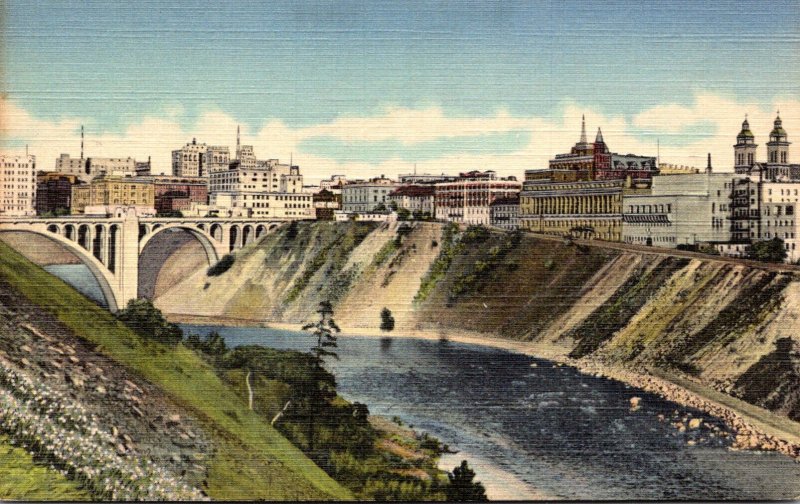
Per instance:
(21,478)
(251,461)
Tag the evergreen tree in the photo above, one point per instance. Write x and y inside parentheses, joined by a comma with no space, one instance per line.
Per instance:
(387,321)
(462,487)
(319,393)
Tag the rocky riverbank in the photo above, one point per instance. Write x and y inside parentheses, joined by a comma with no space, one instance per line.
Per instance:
(755,429)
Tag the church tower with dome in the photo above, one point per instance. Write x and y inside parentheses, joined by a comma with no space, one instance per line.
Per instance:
(745,149)
(777,167)
(778,146)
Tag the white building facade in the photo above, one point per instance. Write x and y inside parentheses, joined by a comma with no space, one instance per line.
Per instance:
(365,196)
(681,210)
(17,185)
(189,160)
(268,189)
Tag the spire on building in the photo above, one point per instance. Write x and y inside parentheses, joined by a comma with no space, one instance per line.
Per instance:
(238,143)
(583,129)
(708,166)
(599,137)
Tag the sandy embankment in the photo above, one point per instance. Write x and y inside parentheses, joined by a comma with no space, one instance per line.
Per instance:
(756,428)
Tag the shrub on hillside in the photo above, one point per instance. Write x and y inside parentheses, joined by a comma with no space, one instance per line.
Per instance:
(147,321)
(221,266)
(387,321)
(773,250)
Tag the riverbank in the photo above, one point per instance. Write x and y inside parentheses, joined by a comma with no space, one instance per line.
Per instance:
(756,428)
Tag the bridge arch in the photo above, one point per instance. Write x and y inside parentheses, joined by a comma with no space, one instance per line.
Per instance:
(157,247)
(213,249)
(98,270)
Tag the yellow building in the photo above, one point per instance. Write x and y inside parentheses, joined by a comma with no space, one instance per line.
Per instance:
(112,191)
(585,209)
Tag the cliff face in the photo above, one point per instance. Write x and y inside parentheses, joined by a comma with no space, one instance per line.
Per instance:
(727,325)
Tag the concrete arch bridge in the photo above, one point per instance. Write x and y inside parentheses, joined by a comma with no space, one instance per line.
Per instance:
(119,251)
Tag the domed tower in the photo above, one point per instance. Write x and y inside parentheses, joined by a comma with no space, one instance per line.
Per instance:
(745,148)
(778,146)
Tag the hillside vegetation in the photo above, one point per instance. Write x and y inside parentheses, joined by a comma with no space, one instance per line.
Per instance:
(164,403)
(723,325)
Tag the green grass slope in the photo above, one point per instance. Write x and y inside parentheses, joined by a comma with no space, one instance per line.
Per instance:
(252,460)
(21,478)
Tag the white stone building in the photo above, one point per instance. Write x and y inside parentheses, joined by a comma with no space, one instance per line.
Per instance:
(414,198)
(217,158)
(71,166)
(88,168)
(268,189)
(365,196)
(504,213)
(680,210)
(17,185)
(189,160)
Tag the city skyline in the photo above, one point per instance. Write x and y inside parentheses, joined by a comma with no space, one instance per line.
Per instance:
(368,88)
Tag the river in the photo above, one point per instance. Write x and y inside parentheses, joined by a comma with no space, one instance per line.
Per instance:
(532,428)
(527,426)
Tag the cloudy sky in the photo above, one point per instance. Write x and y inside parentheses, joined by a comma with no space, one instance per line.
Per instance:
(370,87)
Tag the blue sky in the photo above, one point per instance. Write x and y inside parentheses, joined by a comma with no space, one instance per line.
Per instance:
(301,64)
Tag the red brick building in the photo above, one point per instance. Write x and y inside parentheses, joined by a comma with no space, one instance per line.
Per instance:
(174,194)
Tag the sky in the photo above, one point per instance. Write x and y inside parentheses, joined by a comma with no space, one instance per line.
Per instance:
(365,88)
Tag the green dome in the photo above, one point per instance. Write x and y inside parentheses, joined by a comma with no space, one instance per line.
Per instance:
(778,132)
(746,130)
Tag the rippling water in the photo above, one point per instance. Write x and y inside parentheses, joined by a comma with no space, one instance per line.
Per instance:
(530,427)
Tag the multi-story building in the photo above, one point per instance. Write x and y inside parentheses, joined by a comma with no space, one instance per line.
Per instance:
(504,213)
(334,184)
(681,210)
(54,192)
(71,166)
(600,163)
(264,189)
(326,203)
(581,193)
(105,193)
(587,209)
(414,198)
(217,158)
(88,168)
(270,176)
(17,185)
(255,204)
(190,160)
(176,194)
(366,196)
(779,207)
(468,200)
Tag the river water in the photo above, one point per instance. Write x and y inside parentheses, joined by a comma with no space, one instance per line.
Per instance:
(528,427)
(532,428)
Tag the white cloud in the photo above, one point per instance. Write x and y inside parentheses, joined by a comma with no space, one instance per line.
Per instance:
(158,136)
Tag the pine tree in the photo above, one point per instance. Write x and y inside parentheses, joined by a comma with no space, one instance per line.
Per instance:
(462,488)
